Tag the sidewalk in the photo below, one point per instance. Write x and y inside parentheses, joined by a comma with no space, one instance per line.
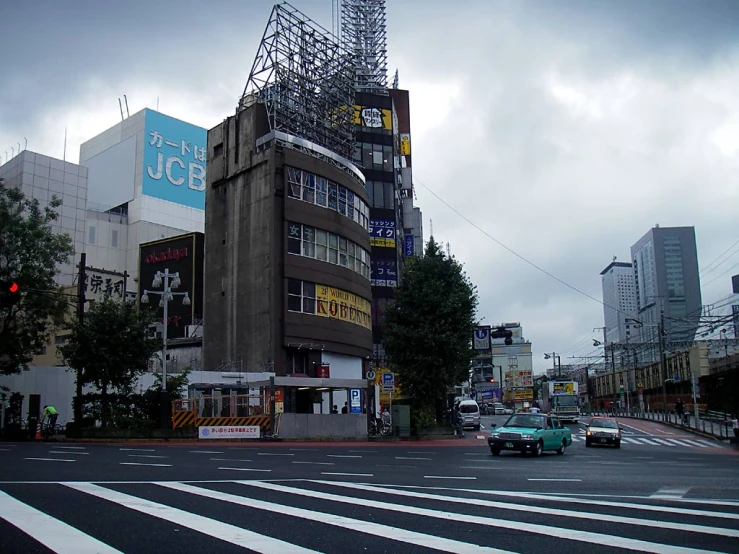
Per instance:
(703,427)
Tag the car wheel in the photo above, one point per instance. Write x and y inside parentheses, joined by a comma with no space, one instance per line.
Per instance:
(539,449)
(617,444)
(561,449)
(477,427)
(495,451)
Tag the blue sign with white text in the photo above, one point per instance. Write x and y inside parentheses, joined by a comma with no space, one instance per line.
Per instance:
(409,247)
(355,401)
(175,155)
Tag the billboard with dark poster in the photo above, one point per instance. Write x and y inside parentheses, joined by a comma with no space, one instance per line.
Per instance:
(182,254)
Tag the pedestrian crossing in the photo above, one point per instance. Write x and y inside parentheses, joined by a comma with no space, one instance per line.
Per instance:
(312,515)
(656,441)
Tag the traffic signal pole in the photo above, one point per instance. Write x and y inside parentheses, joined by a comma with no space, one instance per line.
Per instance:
(81,299)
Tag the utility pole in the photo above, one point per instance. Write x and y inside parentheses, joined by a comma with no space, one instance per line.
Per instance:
(663,362)
(81,299)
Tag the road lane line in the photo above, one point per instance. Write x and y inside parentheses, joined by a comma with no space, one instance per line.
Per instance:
(67,452)
(365,451)
(56,535)
(143,464)
(270,454)
(343,456)
(348,474)
(363,526)
(409,458)
(243,469)
(228,460)
(664,432)
(205,451)
(479,467)
(306,449)
(671,492)
(50,459)
(201,524)
(316,463)
(72,447)
(583,536)
(449,477)
(563,480)
(146,456)
(137,450)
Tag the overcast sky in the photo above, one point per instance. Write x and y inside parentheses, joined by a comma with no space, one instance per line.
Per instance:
(563,129)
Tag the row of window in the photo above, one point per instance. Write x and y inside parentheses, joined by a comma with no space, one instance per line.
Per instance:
(373,156)
(304,240)
(381,195)
(113,236)
(324,301)
(318,190)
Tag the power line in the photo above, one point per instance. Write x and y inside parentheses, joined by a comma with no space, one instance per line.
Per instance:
(706,269)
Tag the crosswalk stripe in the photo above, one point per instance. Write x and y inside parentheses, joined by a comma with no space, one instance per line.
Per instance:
(687,442)
(385,531)
(211,527)
(629,441)
(542,510)
(707,442)
(52,533)
(663,441)
(648,441)
(558,532)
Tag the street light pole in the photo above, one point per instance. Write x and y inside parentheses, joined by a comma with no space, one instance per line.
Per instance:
(663,362)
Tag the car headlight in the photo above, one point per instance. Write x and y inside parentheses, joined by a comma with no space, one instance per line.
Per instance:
(527,437)
(495,435)
(587,432)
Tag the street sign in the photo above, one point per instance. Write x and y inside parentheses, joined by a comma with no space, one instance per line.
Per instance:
(371,374)
(677,378)
(355,401)
(388,382)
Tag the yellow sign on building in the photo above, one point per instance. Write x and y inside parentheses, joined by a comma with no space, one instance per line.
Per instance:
(340,304)
(378,241)
(524,394)
(564,388)
(405,144)
(373,117)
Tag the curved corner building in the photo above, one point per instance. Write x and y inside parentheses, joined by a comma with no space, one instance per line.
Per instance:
(287,254)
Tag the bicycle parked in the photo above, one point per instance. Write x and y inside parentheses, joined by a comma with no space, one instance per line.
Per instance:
(378,426)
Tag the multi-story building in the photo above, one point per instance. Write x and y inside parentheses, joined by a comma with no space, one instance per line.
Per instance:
(619,301)
(667,281)
(42,177)
(146,178)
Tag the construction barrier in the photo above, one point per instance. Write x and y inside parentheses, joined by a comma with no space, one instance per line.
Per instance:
(234,410)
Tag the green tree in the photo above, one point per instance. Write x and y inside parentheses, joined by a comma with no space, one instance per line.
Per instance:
(429,330)
(30,253)
(110,349)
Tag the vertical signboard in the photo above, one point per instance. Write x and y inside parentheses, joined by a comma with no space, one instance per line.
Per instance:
(383,273)
(735,313)
(355,401)
(481,339)
(175,155)
(183,255)
(409,249)
(382,233)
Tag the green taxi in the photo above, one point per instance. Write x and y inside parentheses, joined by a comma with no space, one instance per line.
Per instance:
(527,432)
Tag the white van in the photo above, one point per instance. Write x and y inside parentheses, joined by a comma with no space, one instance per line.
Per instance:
(470,411)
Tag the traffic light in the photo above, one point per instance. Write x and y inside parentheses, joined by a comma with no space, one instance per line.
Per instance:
(503,333)
(10,293)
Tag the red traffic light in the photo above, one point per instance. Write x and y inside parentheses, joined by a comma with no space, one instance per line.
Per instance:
(14,288)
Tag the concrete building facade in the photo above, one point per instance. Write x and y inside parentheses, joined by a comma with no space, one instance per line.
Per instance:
(619,301)
(287,267)
(667,279)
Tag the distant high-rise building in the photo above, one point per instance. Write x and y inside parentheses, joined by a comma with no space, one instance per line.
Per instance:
(666,272)
(619,301)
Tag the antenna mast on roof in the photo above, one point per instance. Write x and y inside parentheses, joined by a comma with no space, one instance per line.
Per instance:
(364,35)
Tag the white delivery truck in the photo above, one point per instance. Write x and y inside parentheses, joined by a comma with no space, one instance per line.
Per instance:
(561,399)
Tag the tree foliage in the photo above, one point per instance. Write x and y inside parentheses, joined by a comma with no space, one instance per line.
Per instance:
(429,328)
(110,349)
(30,253)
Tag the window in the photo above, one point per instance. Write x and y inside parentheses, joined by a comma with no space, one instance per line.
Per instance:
(60,339)
(114,238)
(293,238)
(321,191)
(309,242)
(369,186)
(91,235)
(294,177)
(302,297)
(321,245)
(309,188)
(309,298)
(294,295)
(303,240)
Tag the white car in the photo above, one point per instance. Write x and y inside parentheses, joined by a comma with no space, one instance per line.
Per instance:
(470,412)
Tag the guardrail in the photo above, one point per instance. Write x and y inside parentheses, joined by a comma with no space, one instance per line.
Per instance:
(715,424)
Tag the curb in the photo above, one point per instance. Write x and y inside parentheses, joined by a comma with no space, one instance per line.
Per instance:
(682,428)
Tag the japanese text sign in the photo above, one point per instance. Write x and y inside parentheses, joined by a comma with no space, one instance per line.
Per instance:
(175,155)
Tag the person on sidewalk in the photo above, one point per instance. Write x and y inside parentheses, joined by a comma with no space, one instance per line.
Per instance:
(680,410)
(735,425)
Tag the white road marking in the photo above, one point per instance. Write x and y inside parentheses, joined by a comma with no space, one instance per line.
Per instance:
(56,535)
(449,477)
(364,451)
(584,536)
(664,432)
(143,464)
(348,474)
(244,469)
(563,480)
(409,458)
(137,450)
(419,452)
(70,447)
(68,452)
(50,459)
(316,463)
(476,467)
(647,441)
(271,454)
(363,526)
(342,456)
(211,527)
(305,449)
(227,460)
(671,492)
(205,451)
(480,437)
(688,442)
(146,456)
(5,449)
(663,441)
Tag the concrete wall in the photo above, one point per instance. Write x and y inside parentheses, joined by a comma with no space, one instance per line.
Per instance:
(303,426)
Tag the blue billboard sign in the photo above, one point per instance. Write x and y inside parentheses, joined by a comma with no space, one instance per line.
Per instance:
(409,246)
(383,273)
(175,157)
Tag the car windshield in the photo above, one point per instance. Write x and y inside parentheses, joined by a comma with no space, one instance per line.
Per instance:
(565,401)
(525,420)
(606,423)
(468,408)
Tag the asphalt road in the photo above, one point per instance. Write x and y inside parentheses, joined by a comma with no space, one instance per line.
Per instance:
(664,491)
